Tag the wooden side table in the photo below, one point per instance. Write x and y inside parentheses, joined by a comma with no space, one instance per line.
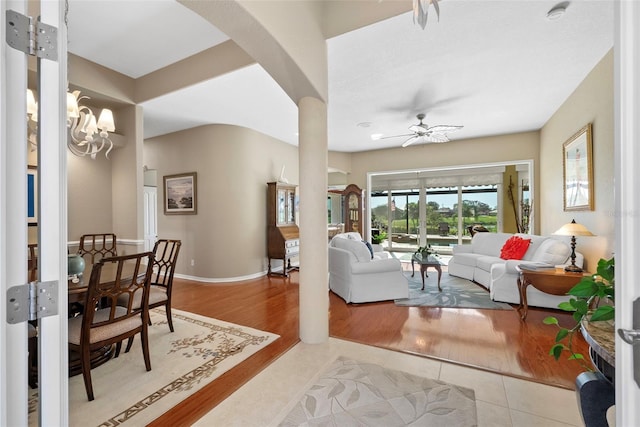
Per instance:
(551,281)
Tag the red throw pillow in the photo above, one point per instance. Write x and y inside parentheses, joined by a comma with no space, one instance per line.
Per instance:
(514,248)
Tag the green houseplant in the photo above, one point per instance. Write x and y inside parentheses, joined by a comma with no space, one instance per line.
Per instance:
(379,238)
(593,302)
(425,250)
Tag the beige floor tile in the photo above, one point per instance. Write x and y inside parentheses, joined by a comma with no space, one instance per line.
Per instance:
(275,390)
(489,387)
(523,419)
(490,415)
(542,400)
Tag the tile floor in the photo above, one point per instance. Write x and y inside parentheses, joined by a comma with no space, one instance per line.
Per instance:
(500,400)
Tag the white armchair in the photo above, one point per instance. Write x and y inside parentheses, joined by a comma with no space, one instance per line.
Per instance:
(359,274)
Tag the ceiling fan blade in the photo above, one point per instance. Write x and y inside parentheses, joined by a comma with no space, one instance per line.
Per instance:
(444,128)
(411,140)
(437,138)
(395,136)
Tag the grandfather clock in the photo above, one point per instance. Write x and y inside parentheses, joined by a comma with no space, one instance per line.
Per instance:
(353,209)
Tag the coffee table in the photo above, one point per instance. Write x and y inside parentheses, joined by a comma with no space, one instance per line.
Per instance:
(426,262)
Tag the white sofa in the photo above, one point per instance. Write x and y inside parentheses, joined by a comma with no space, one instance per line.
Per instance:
(480,261)
(358,277)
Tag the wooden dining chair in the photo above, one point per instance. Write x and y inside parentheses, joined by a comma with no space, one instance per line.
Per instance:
(104,322)
(164,263)
(94,247)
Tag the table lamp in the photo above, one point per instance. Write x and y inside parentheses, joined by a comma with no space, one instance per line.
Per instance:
(573,229)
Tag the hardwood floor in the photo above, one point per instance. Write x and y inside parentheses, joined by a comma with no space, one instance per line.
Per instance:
(493,340)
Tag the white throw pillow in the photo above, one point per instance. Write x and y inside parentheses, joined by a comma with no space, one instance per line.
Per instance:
(552,251)
(357,248)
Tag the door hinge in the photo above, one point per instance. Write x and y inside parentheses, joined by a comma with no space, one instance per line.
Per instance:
(31,36)
(32,301)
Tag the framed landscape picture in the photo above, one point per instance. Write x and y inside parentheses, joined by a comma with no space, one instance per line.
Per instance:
(180,194)
(32,195)
(577,167)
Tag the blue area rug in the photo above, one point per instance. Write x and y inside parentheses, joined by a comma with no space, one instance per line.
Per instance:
(456,292)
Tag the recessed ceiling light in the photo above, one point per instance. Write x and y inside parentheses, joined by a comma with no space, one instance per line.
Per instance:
(557,11)
(376,136)
(364,124)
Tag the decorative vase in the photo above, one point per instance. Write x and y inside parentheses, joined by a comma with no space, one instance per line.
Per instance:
(75,265)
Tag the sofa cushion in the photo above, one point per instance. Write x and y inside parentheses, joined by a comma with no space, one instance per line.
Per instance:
(536,241)
(489,243)
(368,245)
(485,262)
(514,248)
(356,247)
(552,251)
(469,259)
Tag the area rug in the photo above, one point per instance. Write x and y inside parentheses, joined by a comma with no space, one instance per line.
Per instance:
(353,393)
(456,292)
(200,350)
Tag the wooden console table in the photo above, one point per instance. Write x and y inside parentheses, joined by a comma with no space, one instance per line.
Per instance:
(553,281)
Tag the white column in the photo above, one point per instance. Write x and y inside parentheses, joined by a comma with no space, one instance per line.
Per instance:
(314,270)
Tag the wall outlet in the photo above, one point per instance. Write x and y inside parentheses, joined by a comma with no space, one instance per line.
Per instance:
(193,262)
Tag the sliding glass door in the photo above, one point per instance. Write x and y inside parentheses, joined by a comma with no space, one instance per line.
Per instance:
(440,208)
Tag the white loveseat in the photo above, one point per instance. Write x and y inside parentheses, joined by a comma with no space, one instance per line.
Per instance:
(358,277)
(480,261)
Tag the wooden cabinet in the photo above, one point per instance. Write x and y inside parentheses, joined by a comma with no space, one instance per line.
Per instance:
(283,241)
(353,209)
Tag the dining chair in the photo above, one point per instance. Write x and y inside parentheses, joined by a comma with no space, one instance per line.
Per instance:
(164,263)
(104,322)
(32,263)
(94,247)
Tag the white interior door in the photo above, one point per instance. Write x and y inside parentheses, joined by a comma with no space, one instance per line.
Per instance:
(52,229)
(13,224)
(627,111)
(150,217)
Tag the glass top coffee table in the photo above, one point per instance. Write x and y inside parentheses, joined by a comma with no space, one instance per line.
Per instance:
(426,262)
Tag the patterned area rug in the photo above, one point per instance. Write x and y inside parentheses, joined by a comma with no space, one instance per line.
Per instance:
(352,393)
(456,292)
(200,350)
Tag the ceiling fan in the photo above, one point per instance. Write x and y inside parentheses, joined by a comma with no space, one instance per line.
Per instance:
(424,133)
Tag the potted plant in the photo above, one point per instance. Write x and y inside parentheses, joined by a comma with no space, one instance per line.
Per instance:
(379,238)
(425,251)
(593,302)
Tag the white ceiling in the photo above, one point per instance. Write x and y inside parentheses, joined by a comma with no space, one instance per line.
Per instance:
(495,67)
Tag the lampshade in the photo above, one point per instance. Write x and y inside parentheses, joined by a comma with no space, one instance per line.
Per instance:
(105,121)
(72,106)
(573,229)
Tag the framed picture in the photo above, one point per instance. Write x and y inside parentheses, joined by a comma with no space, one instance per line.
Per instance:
(32,195)
(180,194)
(577,167)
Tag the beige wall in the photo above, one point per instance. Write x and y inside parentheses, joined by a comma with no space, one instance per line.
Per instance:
(89,196)
(591,102)
(226,239)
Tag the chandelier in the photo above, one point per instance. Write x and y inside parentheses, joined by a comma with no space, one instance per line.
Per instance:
(421,10)
(87,135)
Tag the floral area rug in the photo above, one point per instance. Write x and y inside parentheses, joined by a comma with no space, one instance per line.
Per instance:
(200,350)
(456,292)
(352,393)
